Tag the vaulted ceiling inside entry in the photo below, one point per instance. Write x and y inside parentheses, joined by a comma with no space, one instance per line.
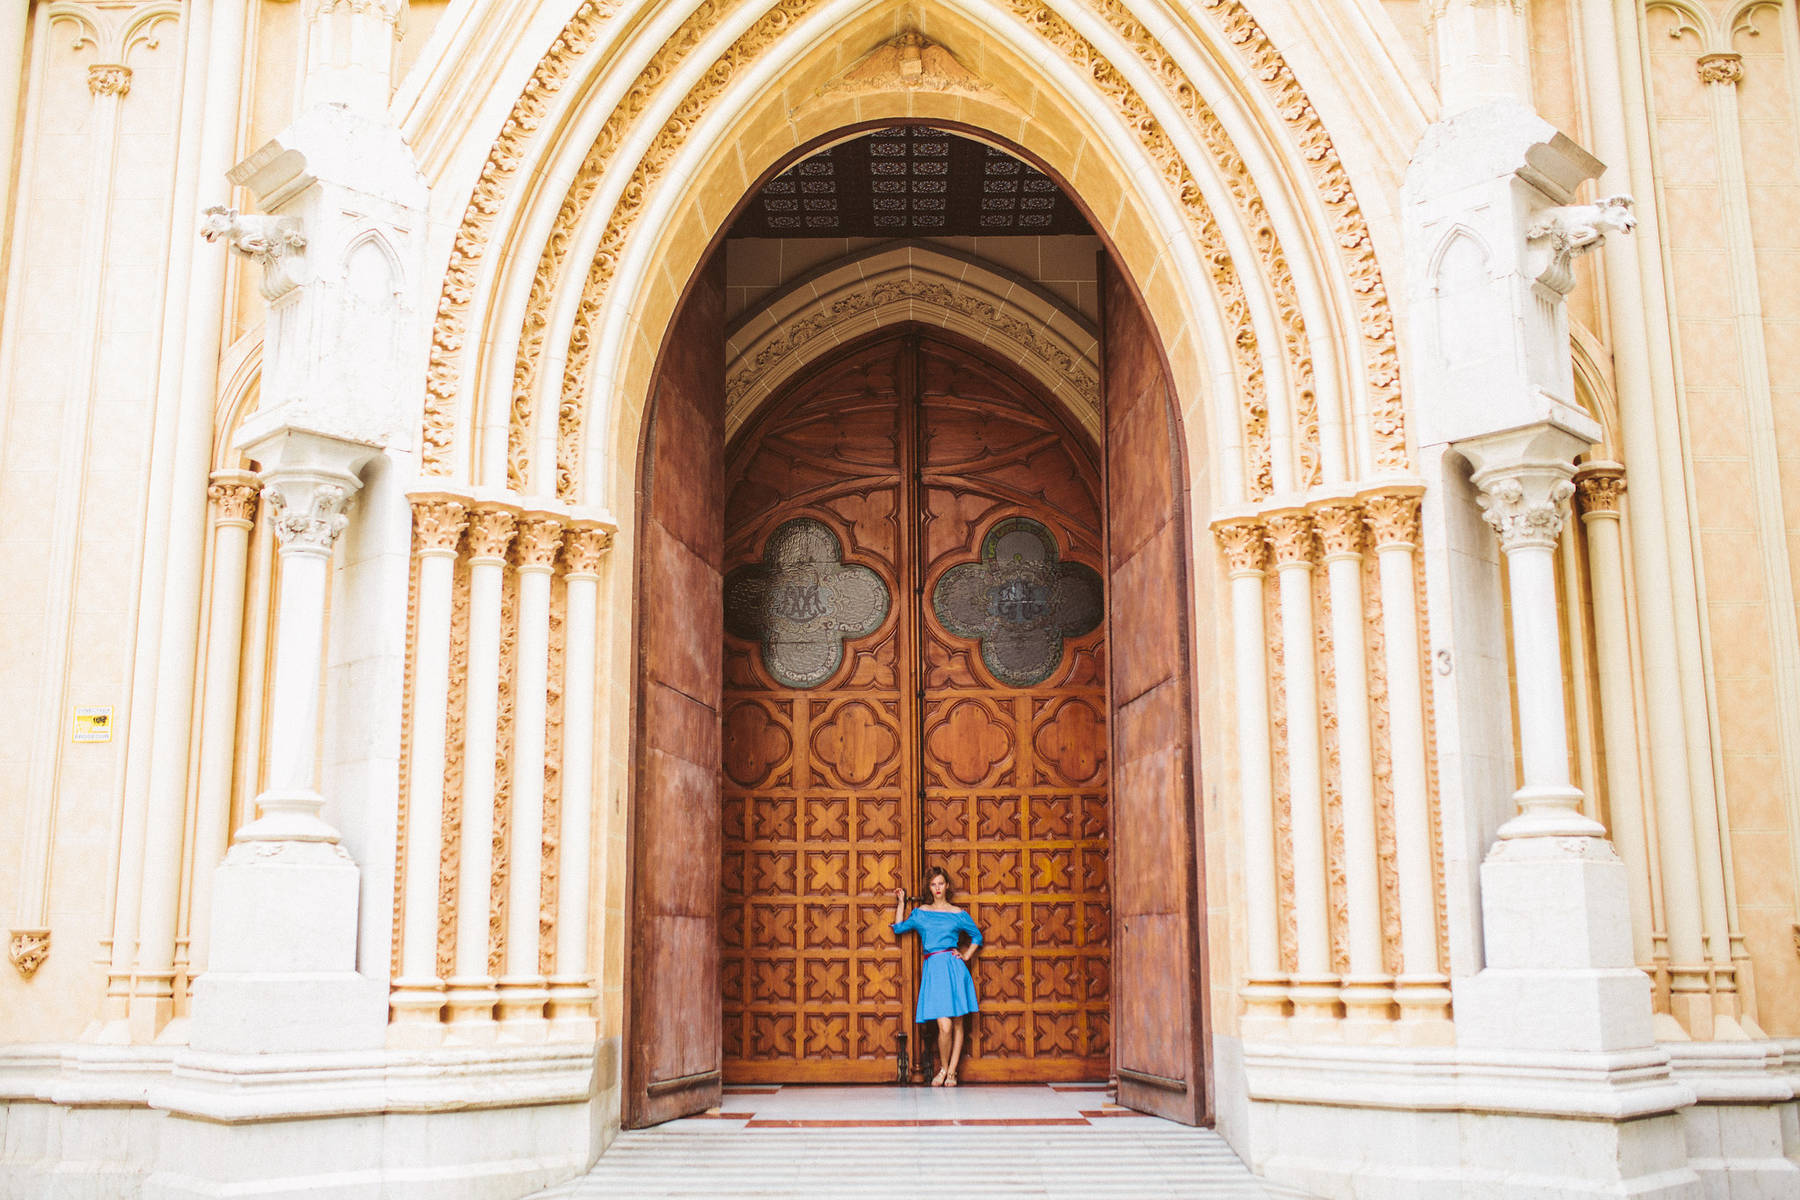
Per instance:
(910,181)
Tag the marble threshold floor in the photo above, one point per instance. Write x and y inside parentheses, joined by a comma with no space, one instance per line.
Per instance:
(1061,1141)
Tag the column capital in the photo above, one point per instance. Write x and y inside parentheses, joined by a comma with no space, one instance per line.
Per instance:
(308,511)
(1393,519)
(1724,67)
(1291,538)
(109,79)
(233,496)
(1340,528)
(438,522)
(28,949)
(1598,487)
(492,526)
(583,545)
(1523,476)
(538,538)
(1246,546)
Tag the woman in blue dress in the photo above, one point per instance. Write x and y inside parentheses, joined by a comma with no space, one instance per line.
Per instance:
(946,989)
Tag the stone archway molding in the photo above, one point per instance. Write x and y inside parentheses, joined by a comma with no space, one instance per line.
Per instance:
(913,282)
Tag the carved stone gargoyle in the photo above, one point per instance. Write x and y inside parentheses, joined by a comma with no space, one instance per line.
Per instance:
(1574,229)
(274,242)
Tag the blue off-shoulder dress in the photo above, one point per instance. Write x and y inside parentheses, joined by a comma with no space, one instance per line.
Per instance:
(946,989)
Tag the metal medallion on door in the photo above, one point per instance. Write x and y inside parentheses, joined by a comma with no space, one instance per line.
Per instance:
(914,675)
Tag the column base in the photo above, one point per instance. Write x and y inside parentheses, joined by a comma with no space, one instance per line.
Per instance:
(288,1013)
(522,1004)
(469,1010)
(416,1009)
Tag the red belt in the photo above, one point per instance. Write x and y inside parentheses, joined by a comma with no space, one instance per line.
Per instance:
(951,950)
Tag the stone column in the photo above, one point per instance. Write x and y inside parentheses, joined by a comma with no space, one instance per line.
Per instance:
(233,494)
(1246,555)
(523,991)
(1367,991)
(282,967)
(1482,52)
(572,993)
(1556,920)
(1393,520)
(472,993)
(1598,489)
(418,994)
(1314,990)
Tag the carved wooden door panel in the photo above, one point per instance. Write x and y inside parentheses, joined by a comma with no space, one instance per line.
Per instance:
(1158,962)
(1013,713)
(914,674)
(818,778)
(672,953)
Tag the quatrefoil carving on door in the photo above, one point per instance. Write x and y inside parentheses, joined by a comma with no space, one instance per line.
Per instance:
(1020,601)
(802,602)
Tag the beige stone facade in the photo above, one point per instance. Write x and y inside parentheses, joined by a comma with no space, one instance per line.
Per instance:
(331,335)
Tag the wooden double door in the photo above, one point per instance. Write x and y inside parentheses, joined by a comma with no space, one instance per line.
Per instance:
(914,676)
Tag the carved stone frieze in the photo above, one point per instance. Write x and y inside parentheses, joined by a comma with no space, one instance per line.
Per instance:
(1246,546)
(1291,539)
(109,79)
(553,767)
(233,496)
(538,540)
(1340,528)
(1523,511)
(314,525)
(1331,775)
(1393,519)
(1598,489)
(28,949)
(491,530)
(438,523)
(1724,67)
(583,547)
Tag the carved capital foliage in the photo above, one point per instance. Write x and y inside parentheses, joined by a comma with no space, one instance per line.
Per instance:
(491,529)
(1246,546)
(233,497)
(1291,538)
(1525,510)
(583,547)
(1598,488)
(309,521)
(438,524)
(28,948)
(1340,527)
(1393,519)
(1723,68)
(539,537)
(109,79)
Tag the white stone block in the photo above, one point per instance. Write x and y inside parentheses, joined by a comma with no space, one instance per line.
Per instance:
(293,910)
(287,1012)
(1554,1010)
(1555,903)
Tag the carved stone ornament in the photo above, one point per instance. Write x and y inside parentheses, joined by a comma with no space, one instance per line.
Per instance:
(491,530)
(274,242)
(912,61)
(314,528)
(28,948)
(539,538)
(1393,519)
(1720,68)
(233,500)
(1291,538)
(583,547)
(1246,546)
(1340,528)
(1598,488)
(109,79)
(438,524)
(1524,516)
(1571,230)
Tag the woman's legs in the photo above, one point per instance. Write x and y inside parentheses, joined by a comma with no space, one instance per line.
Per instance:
(955,1050)
(945,1063)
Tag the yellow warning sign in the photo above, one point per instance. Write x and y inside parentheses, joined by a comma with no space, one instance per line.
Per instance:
(93,723)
